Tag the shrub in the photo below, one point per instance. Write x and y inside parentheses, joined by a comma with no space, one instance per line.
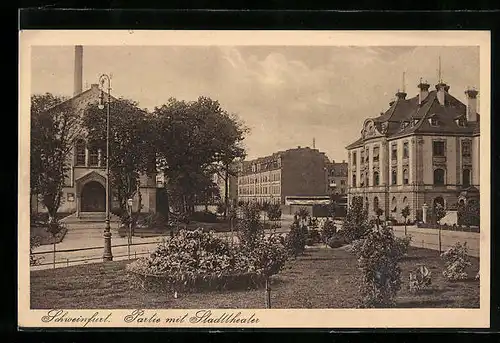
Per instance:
(295,240)
(221,208)
(194,261)
(468,214)
(355,247)
(313,237)
(420,279)
(274,212)
(152,221)
(456,261)
(336,241)
(302,214)
(402,245)
(329,229)
(204,217)
(34,243)
(380,272)
(249,226)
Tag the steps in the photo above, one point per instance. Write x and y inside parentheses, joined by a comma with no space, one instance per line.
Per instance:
(89,217)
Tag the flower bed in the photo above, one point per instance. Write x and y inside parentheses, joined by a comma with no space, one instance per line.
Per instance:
(194,261)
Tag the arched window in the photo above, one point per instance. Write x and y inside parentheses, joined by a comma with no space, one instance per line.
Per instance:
(405,201)
(394,204)
(439,177)
(375,203)
(466,177)
(80,152)
(354,180)
(394,177)
(405,177)
(376,178)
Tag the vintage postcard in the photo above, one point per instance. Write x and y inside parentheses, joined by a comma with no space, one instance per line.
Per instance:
(254,179)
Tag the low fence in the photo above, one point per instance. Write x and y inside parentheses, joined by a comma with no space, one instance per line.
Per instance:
(55,258)
(431,238)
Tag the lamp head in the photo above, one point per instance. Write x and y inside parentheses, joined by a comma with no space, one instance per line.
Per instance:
(101,100)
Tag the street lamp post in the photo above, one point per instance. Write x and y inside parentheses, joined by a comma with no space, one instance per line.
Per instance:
(103,79)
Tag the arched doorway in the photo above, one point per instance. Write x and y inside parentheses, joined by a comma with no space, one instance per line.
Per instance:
(438,200)
(93,197)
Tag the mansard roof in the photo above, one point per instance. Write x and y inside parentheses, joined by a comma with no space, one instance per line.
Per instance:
(407,116)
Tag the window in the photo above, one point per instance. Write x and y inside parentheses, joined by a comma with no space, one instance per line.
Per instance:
(405,201)
(93,157)
(462,122)
(80,152)
(438,148)
(466,149)
(362,154)
(353,158)
(394,204)
(439,177)
(342,182)
(375,203)
(466,177)
(405,176)
(394,177)
(367,155)
(406,153)
(354,180)
(433,121)
(362,180)
(376,178)
(394,152)
(376,152)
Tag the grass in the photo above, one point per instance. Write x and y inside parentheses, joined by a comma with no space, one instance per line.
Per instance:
(321,278)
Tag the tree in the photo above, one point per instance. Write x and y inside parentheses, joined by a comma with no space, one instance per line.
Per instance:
(356,224)
(130,144)
(439,213)
(378,213)
(54,127)
(193,139)
(405,212)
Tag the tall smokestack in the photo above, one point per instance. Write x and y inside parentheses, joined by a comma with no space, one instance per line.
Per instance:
(78,70)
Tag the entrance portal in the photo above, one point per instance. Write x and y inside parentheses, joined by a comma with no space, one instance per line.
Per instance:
(93,197)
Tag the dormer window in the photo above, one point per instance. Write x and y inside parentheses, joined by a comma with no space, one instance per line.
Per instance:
(433,121)
(462,121)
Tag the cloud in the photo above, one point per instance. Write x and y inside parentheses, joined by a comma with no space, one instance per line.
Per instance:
(286,95)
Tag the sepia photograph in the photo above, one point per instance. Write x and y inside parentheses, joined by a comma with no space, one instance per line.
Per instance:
(254,179)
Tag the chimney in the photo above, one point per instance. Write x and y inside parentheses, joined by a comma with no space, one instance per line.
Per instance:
(471,104)
(424,91)
(78,70)
(442,88)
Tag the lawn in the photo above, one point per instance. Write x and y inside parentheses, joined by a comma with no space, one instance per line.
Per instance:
(321,278)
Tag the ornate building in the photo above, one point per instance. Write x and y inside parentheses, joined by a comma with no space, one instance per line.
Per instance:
(84,192)
(422,150)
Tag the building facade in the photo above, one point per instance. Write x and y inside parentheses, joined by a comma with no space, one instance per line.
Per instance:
(421,151)
(84,190)
(337,178)
(294,172)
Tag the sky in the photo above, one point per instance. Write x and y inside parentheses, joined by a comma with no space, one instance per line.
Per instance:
(286,95)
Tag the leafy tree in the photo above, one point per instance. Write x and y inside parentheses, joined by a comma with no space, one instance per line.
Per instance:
(356,224)
(130,145)
(405,212)
(468,214)
(195,139)
(378,261)
(54,127)
(378,213)
(439,213)
(249,226)
(302,214)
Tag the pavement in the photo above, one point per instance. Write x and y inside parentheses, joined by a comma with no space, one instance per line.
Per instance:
(91,235)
